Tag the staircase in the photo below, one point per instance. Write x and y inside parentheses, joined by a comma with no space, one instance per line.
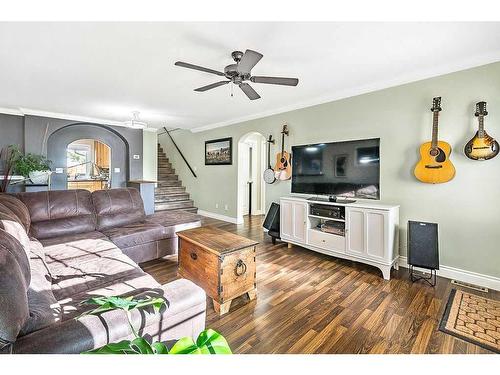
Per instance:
(170,195)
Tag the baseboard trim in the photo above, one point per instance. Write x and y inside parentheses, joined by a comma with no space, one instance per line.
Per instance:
(214,215)
(487,281)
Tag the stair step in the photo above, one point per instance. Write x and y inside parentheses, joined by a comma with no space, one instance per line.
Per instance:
(171,197)
(174,205)
(169,177)
(169,183)
(193,210)
(170,189)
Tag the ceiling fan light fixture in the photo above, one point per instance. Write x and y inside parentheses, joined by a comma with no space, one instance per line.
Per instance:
(135,122)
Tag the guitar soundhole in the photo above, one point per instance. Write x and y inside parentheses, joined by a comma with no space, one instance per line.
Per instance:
(434,152)
(438,154)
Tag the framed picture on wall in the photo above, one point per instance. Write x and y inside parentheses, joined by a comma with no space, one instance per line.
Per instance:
(219,151)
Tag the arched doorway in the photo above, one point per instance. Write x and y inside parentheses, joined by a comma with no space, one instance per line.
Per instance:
(59,140)
(88,163)
(251,165)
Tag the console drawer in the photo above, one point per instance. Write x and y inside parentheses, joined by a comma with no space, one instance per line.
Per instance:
(326,240)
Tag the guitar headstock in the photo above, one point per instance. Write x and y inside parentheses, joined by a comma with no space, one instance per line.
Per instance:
(436,104)
(285,129)
(481,109)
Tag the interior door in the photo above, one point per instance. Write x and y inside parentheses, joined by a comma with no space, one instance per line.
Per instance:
(286,219)
(355,219)
(299,221)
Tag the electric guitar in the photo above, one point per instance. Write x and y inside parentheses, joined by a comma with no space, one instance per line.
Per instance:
(283,168)
(435,166)
(482,146)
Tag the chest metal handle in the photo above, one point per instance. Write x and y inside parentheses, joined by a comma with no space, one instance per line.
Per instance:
(194,256)
(240,268)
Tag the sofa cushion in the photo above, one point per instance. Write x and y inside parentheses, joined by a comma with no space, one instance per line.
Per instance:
(75,249)
(17,207)
(117,207)
(59,212)
(44,309)
(11,224)
(135,234)
(89,274)
(14,281)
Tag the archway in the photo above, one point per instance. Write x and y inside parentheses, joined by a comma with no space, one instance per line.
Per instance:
(59,140)
(251,165)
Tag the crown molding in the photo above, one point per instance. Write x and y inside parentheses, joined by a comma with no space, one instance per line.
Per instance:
(11,111)
(398,81)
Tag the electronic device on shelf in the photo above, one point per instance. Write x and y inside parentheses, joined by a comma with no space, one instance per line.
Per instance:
(332,198)
(332,227)
(348,169)
(327,211)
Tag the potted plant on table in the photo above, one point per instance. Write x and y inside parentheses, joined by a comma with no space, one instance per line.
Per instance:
(208,341)
(32,166)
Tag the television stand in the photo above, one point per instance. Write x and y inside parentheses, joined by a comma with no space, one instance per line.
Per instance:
(332,198)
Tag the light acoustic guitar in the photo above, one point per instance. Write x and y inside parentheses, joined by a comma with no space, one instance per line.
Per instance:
(435,166)
(283,168)
(482,146)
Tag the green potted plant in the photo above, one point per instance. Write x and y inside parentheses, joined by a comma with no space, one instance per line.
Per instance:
(208,341)
(36,167)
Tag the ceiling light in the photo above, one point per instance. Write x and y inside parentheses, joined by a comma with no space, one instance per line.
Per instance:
(135,123)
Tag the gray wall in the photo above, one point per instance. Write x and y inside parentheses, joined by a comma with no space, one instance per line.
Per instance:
(11,130)
(33,133)
(466,208)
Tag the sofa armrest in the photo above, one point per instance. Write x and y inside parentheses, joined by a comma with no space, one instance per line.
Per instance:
(185,302)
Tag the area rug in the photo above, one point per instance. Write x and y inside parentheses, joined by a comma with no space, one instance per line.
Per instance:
(473,318)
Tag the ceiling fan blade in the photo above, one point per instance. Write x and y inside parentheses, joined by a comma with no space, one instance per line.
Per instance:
(249,91)
(275,80)
(248,61)
(212,86)
(197,67)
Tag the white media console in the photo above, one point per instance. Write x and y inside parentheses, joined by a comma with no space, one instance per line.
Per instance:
(370,235)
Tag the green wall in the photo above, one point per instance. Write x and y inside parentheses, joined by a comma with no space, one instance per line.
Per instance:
(465,208)
(149,155)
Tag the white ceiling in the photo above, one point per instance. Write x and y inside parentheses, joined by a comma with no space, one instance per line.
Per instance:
(107,70)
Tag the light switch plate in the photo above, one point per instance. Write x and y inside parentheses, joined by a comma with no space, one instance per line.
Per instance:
(117,170)
(137,157)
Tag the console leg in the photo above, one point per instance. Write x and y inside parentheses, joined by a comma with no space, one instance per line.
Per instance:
(386,272)
(252,294)
(289,245)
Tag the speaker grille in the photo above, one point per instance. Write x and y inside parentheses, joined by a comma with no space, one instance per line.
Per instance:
(423,245)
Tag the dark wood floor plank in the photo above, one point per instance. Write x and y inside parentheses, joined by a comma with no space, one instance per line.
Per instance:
(313,303)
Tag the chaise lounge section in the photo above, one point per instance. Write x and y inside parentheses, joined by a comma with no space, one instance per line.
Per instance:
(60,248)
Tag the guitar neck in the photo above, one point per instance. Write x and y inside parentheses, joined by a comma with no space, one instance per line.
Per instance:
(481,126)
(435,118)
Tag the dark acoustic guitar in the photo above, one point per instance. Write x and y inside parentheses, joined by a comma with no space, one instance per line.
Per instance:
(435,166)
(482,146)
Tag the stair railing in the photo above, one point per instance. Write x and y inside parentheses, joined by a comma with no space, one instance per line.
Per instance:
(178,149)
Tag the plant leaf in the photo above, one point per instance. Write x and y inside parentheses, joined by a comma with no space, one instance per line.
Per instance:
(142,346)
(213,342)
(122,347)
(159,348)
(186,345)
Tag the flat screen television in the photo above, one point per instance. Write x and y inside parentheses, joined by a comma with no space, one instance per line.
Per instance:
(345,169)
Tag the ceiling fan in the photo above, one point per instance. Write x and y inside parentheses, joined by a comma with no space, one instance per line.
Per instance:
(240,72)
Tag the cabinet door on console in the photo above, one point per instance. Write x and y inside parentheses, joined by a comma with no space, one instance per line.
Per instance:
(355,219)
(299,221)
(376,226)
(286,219)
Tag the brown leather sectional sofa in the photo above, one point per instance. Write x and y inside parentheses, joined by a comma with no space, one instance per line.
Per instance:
(59,248)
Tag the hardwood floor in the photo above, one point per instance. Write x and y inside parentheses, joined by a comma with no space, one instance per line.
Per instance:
(312,303)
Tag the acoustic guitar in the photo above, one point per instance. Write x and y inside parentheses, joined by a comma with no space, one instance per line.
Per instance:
(482,146)
(283,168)
(435,166)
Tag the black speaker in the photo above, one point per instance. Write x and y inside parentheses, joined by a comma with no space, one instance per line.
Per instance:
(272,221)
(423,247)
